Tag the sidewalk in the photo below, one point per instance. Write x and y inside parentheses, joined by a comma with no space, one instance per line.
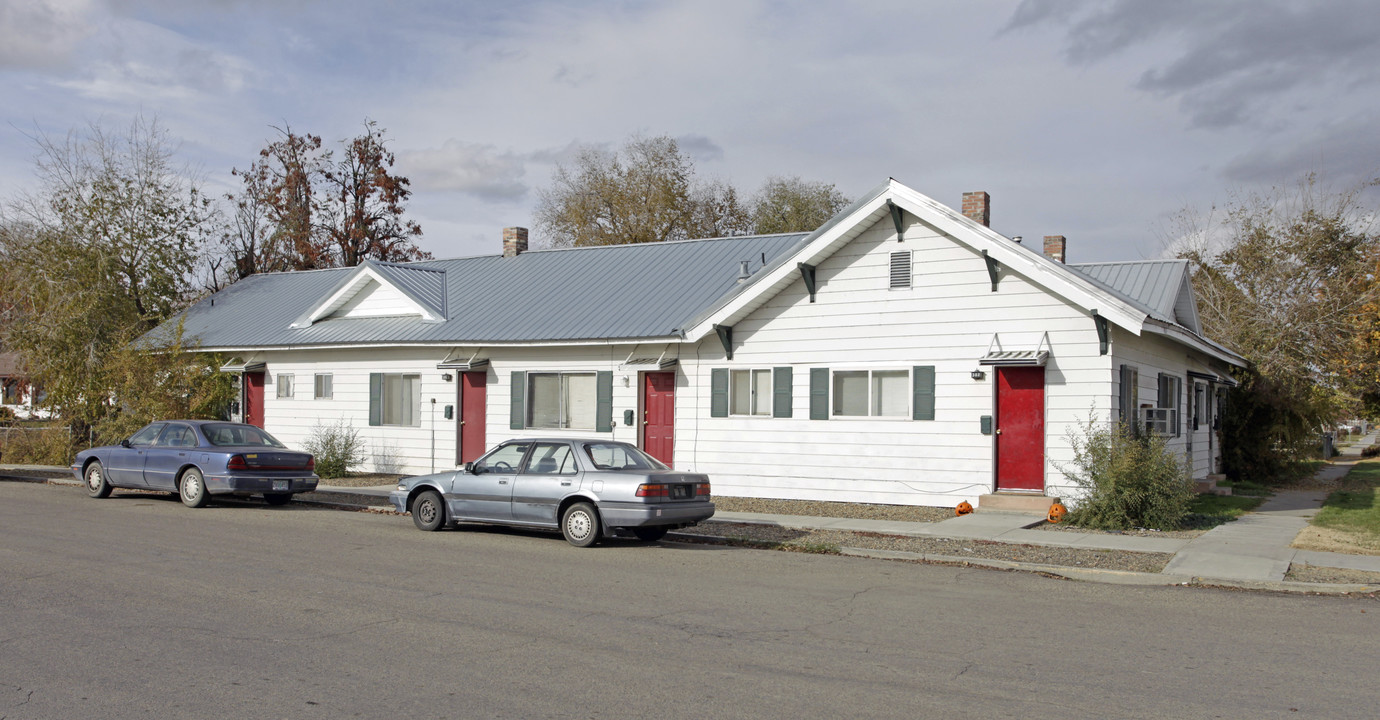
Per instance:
(1252,552)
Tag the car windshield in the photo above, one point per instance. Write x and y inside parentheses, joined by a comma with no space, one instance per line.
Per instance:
(620,456)
(232,435)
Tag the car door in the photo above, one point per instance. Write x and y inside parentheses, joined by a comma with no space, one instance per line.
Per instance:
(486,493)
(167,455)
(548,475)
(124,465)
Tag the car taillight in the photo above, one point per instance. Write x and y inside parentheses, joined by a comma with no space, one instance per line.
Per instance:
(702,489)
(648,490)
(236,463)
(311,462)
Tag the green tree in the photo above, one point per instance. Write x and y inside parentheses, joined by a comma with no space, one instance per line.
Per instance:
(791,204)
(643,192)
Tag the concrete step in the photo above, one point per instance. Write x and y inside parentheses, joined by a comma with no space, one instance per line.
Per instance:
(1016,502)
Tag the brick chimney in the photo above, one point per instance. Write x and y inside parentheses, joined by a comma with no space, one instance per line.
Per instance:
(514,241)
(1054,247)
(978,207)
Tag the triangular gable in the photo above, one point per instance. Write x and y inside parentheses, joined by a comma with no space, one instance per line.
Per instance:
(378,289)
(1186,305)
(877,206)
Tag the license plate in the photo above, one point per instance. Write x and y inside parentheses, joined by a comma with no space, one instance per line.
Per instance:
(280,485)
(680,492)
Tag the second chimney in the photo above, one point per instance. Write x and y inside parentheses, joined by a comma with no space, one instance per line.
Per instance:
(514,241)
(1054,247)
(978,207)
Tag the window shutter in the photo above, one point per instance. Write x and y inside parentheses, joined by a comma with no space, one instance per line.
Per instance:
(819,393)
(922,385)
(781,392)
(718,392)
(517,408)
(603,401)
(375,398)
(1124,395)
(900,269)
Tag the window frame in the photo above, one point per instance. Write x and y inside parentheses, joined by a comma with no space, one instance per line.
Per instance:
(873,396)
(760,392)
(380,411)
(564,421)
(282,381)
(329,383)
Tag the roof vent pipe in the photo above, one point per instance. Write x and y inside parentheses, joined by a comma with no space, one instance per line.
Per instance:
(743,273)
(1016,239)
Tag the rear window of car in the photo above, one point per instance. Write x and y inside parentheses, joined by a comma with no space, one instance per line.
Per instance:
(617,456)
(228,435)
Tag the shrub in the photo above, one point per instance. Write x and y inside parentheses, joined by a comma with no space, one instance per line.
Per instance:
(1127,478)
(7,416)
(336,447)
(37,446)
(1370,452)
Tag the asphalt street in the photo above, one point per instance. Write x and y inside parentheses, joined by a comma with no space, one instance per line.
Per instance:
(136,606)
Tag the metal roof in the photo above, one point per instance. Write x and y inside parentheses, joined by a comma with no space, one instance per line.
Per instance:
(599,293)
(1152,284)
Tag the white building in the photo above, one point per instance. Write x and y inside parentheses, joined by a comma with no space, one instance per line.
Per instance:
(901,353)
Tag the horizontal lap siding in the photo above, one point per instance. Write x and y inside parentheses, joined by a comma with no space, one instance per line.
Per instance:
(1152,355)
(947,319)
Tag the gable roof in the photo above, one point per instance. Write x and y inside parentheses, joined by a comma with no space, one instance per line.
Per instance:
(1161,287)
(421,288)
(616,292)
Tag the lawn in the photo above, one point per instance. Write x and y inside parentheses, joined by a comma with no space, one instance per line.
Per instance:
(1353,508)
(1209,511)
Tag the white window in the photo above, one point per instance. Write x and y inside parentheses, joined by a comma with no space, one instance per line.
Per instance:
(875,393)
(323,386)
(284,382)
(402,399)
(750,392)
(900,269)
(561,400)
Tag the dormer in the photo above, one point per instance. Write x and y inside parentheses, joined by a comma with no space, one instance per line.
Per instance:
(380,290)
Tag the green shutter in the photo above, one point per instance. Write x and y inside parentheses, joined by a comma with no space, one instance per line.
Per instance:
(718,392)
(375,398)
(819,393)
(517,408)
(603,401)
(922,385)
(781,392)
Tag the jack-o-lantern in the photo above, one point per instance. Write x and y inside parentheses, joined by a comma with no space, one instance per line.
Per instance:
(1057,511)
(963,508)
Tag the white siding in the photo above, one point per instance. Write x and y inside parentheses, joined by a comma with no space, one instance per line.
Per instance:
(1152,355)
(376,300)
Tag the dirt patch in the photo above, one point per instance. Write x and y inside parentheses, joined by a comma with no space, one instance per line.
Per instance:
(1314,574)
(813,508)
(1338,541)
(1133,532)
(362,480)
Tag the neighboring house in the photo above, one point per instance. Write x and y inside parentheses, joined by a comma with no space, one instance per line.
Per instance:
(16,392)
(901,353)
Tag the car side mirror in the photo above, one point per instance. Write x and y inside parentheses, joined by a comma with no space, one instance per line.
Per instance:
(124,443)
(469,468)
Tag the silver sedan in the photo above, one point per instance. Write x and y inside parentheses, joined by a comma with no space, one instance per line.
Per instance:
(586,488)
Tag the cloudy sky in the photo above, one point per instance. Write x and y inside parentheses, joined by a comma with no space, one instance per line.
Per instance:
(1092,120)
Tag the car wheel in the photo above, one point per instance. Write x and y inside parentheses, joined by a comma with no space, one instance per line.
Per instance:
(650,533)
(429,511)
(97,486)
(580,525)
(192,489)
(277,498)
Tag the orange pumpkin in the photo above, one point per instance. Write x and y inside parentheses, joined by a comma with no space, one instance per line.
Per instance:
(963,508)
(1057,511)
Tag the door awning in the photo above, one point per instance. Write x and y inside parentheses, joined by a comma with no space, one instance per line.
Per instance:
(649,363)
(238,365)
(1007,358)
(464,365)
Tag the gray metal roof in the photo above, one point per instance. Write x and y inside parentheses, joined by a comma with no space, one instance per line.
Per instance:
(1154,285)
(615,292)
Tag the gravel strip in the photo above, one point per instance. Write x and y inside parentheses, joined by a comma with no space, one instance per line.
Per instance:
(1311,573)
(814,508)
(752,534)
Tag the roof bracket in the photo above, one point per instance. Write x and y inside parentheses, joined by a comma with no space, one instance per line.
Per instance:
(807,273)
(725,333)
(896,219)
(1101,324)
(992,268)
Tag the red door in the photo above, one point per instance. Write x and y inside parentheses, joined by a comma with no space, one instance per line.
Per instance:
(659,414)
(472,403)
(1021,428)
(254,398)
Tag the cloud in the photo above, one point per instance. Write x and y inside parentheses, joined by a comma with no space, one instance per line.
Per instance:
(1229,62)
(1347,150)
(42,34)
(700,148)
(471,168)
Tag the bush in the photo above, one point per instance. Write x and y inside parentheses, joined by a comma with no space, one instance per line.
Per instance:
(36,446)
(1128,479)
(7,416)
(336,447)
(1370,452)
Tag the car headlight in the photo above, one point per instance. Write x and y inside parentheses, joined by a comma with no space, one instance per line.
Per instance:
(402,486)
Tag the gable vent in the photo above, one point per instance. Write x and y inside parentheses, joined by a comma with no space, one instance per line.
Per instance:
(900,269)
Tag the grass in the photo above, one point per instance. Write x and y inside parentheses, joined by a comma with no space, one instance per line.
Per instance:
(1208,511)
(1246,488)
(1353,508)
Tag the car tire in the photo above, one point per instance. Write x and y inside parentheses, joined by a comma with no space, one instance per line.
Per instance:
(97,485)
(429,511)
(580,525)
(277,498)
(650,533)
(192,489)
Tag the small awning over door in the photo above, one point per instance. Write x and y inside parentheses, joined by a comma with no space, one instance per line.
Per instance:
(1033,357)
(239,365)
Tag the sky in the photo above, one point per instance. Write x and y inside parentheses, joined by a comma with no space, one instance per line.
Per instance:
(1093,120)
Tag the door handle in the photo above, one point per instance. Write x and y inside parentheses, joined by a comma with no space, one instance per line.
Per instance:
(998,431)
(502,482)
(566,483)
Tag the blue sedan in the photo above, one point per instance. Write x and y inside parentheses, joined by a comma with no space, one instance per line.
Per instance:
(197,459)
